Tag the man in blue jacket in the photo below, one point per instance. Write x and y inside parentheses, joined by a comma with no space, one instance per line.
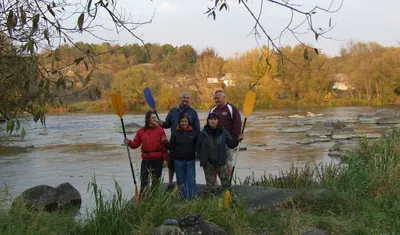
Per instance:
(172,121)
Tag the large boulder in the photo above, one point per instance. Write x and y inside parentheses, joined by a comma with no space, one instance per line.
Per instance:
(190,225)
(373,118)
(343,133)
(394,119)
(47,198)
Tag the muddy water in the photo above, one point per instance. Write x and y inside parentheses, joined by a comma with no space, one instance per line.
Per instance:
(79,146)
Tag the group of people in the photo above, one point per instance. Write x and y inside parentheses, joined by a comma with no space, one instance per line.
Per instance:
(213,145)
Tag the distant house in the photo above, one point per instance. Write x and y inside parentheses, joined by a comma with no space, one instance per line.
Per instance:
(341,82)
(226,79)
(213,80)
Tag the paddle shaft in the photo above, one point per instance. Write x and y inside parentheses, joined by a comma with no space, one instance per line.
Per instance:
(237,151)
(129,154)
(155,111)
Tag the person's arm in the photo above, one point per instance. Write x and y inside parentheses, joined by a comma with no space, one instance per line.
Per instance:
(164,149)
(168,120)
(237,123)
(170,145)
(196,123)
(230,142)
(137,141)
(198,144)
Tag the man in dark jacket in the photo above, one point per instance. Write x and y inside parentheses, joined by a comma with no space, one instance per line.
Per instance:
(172,121)
(229,118)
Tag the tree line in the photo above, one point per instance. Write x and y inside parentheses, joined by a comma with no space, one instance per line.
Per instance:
(363,74)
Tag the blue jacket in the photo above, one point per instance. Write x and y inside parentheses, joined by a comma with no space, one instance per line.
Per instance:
(172,119)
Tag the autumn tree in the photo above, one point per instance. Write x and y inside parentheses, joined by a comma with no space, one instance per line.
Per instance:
(27,27)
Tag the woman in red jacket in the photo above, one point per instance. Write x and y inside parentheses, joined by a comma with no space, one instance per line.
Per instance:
(154,154)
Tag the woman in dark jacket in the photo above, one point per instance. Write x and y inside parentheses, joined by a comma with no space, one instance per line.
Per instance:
(211,149)
(183,144)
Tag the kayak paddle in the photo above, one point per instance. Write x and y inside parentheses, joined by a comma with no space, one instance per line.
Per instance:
(150,100)
(118,106)
(247,109)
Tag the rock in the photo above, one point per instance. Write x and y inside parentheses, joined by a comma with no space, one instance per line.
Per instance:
(343,133)
(314,232)
(321,128)
(395,119)
(341,149)
(43,132)
(367,135)
(296,116)
(261,198)
(385,112)
(373,118)
(258,145)
(369,120)
(295,130)
(272,148)
(312,141)
(353,120)
(310,114)
(190,225)
(47,198)
(129,128)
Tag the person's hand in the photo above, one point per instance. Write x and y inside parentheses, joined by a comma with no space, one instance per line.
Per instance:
(241,136)
(159,122)
(126,141)
(165,164)
(164,138)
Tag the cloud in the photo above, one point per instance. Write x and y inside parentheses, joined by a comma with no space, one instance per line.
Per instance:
(166,6)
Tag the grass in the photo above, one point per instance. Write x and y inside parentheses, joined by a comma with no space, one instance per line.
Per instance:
(362,197)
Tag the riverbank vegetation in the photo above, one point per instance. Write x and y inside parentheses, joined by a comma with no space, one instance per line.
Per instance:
(361,197)
(363,74)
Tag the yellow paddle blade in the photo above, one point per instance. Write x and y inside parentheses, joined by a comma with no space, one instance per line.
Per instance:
(227,199)
(249,103)
(118,104)
(137,195)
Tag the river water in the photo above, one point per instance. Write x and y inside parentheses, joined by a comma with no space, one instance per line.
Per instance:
(80,145)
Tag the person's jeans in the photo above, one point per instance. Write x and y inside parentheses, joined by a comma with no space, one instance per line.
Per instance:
(186,177)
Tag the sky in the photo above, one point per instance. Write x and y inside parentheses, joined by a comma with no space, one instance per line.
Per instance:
(180,22)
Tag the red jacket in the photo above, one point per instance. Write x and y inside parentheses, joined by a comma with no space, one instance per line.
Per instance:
(150,140)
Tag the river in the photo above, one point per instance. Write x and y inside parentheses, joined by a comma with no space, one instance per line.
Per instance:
(79,145)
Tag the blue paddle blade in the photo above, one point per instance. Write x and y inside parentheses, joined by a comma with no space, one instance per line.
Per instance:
(149,98)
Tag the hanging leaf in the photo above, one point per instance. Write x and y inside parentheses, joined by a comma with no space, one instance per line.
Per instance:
(86,65)
(26,87)
(83,81)
(330,22)
(305,54)
(81,18)
(23,133)
(18,125)
(46,35)
(316,36)
(50,10)
(89,76)
(35,23)
(41,83)
(223,5)
(23,16)
(213,14)
(78,60)
(10,23)
(10,126)
(316,51)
